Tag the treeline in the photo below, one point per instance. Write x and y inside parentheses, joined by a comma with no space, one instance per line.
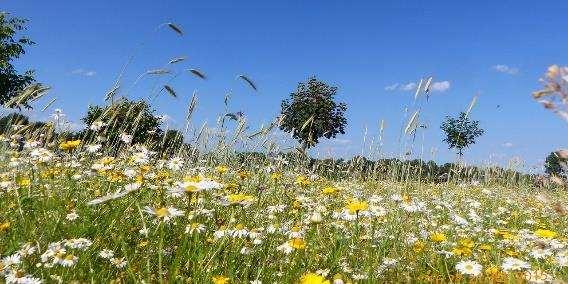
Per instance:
(395,169)
(114,126)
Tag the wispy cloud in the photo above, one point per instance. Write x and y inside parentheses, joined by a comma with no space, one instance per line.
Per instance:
(440,86)
(411,86)
(340,141)
(83,72)
(391,87)
(505,69)
(507,145)
(408,87)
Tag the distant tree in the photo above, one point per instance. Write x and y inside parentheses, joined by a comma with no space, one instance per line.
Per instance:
(461,132)
(12,47)
(134,118)
(170,143)
(554,165)
(311,113)
(8,121)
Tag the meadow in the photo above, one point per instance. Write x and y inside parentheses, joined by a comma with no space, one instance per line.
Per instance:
(100,207)
(72,213)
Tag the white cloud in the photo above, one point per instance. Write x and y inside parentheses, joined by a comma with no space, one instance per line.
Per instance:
(341,141)
(401,87)
(408,87)
(508,144)
(391,87)
(83,72)
(440,86)
(411,86)
(505,69)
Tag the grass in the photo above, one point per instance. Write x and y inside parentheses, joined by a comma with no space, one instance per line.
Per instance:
(270,222)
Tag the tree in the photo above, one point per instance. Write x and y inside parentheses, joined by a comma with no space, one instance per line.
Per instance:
(461,132)
(12,47)
(134,118)
(170,143)
(311,113)
(555,165)
(8,121)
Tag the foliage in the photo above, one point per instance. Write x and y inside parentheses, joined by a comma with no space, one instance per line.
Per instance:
(10,120)
(461,132)
(12,47)
(312,113)
(170,143)
(134,118)
(554,165)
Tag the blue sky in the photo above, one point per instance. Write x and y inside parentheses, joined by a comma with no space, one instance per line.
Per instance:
(371,50)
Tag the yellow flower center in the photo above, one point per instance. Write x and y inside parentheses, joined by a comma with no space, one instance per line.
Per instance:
(162,212)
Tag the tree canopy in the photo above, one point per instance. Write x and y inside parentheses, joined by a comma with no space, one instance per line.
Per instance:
(461,132)
(311,113)
(12,47)
(555,165)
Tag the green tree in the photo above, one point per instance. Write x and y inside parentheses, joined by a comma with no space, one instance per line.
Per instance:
(134,118)
(170,143)
(8,121)
(12,47)
(461,132)
(554,165)
(311,113)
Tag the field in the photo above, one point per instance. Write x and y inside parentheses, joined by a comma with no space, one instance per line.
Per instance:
(70,213)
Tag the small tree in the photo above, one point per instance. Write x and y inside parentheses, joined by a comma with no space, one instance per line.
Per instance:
(554,165)
(8,121)
(311,113)
(461,132)
(134,118)
(12,47)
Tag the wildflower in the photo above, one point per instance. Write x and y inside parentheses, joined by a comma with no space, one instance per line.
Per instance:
(72,216)
(276,176)
(127,139)
(329,190)
(69,145)
(243,174)
(175,164)
(41,155)
(238,198)
(313,278)
(355,206)
(511,263)
(469,267)
(118,262)
(68,261)
(93,148)
(23,182)
(4,226)
(316,218)
(220,279)
(291,245)
(492,271)
(97,125)
(164,213)
(194,228)
(540,253)
(80,243)
(222,169)
(18,276)
(239,231)
(545,234)
(438,237)
(302,181)
(106,253)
